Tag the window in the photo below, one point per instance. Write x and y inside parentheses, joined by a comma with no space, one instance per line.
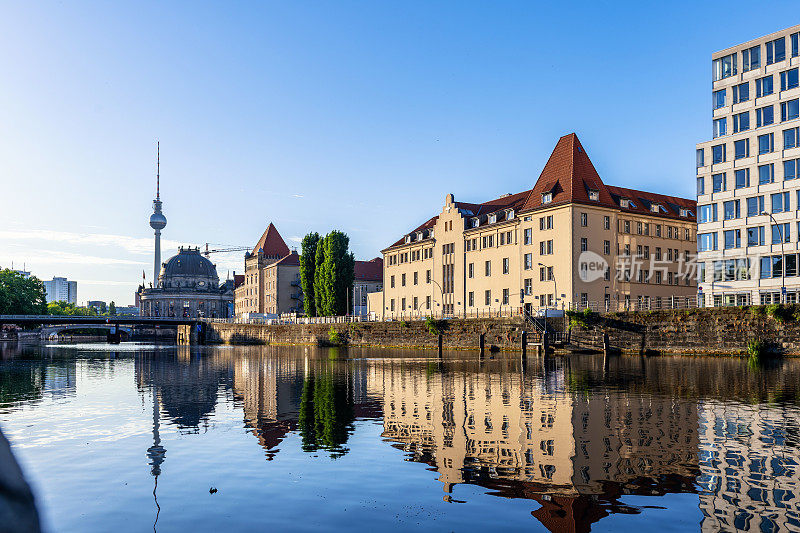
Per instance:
(488,268)
(794,38)
(505,265)
(607,247)
(720,127)
(781,231)
(742,178)
(639,228)
(790,169)
(741,93)
(606,222)
(546,247)
(724,67)
(707,213)
(416,278)
(764,86)
(741,122)
(402,304)
(471,299)
(528,261)
(547,197)
(764,116)
(546,222)
(427,276)
(718,182)
(776,51)
(584,244)
(730,209)
(528,236)
(718,99)
(780,202)
(766,174)
(766,143)
(790,138)
(584,219)
(471,270)
(789,79)
(542,273)
(403,280)
(427,302)
(528,284)
(701,186)
(741,149)
(755,206)
(733,239)
(701,157)
(505,296)
(790,110)
(706,242)
(718,154)
(487,297)
(391,282)
(755,236)
(751,58)
(594,195)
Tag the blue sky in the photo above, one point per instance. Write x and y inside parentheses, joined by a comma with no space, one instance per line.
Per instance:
(359,116)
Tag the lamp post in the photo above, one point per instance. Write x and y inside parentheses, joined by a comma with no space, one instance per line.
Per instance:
(440,291)
(783,257)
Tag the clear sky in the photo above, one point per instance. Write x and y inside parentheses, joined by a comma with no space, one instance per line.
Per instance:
(359,116)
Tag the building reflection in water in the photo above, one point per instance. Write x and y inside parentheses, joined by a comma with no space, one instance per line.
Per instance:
(576,437)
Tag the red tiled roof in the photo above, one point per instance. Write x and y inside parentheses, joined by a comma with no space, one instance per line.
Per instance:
(292,259)
(569,175)
(271,243)
(371,270)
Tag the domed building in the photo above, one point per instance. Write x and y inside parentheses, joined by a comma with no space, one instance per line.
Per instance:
(187,287)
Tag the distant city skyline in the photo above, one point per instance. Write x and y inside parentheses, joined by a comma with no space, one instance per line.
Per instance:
(353,115)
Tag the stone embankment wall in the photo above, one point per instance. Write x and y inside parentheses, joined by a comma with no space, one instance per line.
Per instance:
(724,330)
(505,334)
(701,331)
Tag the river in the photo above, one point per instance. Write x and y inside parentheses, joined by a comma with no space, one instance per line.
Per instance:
(142,437)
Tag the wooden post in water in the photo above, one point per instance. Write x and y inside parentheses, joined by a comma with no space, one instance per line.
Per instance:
(606,346)
(524,345)
(481,343)
(440,345)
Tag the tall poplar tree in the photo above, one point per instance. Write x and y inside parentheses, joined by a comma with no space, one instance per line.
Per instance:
(308,264)
(319,278)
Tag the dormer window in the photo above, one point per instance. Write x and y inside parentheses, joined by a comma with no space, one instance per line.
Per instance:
(430,233)
(492,218)
(419,236)
(594,195)
(476,222)
(547,197)
(655,208)
(685,212)
(509,214)
(408,239)
(624,203)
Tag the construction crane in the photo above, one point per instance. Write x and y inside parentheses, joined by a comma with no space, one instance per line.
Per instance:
(226,248)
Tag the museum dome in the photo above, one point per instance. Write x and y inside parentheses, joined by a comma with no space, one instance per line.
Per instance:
(188,269)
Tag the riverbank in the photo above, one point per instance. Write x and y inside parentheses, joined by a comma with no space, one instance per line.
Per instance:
(712,331)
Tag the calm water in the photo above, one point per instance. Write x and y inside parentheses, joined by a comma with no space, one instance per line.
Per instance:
(133,438)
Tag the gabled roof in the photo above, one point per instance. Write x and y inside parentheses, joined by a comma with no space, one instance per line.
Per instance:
(425,225)
(569,175)
(271,243)
(642,200)
(371,270)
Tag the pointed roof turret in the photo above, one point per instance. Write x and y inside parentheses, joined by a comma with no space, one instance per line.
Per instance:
(271,243)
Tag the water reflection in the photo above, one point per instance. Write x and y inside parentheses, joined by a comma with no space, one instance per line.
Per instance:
(577,436)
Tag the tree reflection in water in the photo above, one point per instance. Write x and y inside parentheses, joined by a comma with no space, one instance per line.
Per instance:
(326,412)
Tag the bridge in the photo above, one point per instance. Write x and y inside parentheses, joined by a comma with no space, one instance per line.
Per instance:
(190,330)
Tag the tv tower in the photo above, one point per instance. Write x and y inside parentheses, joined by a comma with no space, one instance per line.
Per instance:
(157,220)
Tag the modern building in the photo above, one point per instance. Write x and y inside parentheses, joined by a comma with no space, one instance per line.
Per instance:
(271,278)
(98,305)
(569,242)
(368,279)
(188,286)
(61,290)
(748,193)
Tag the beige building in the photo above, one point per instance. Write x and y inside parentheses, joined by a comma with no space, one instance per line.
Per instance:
(748,193)
(571,241)
(367,280)
(271,283)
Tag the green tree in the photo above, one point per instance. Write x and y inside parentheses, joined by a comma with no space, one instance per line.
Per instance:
(308,264)
(20,295)
(338,269)
(62,308)
(112,308)
(319,280)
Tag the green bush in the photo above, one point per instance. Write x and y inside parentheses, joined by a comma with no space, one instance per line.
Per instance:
(782,313)
(756,348)
(582,318)
(335,337)
(757,310)
(435,327)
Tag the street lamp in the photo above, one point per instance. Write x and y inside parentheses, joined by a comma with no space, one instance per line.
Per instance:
(440,291)
(783,256)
